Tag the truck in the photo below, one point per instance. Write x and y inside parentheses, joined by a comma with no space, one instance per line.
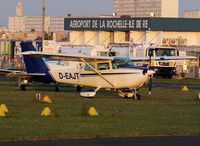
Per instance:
(164,68)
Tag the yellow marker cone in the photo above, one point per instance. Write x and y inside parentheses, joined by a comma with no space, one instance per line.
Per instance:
(92,112)
(185,88)
(4,108)
(46,99)
(46,112)
(2,114)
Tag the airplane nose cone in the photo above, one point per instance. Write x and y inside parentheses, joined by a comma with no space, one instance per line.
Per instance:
(150,72)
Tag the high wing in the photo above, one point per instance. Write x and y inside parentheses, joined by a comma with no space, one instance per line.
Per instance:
(67,57)
(163,58)
(72,57)
(19,74)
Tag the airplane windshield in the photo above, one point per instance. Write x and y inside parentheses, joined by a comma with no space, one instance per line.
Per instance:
(121,62)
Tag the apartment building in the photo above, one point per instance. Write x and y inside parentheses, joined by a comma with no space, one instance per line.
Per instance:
(146,8)
(192,14)
(20,23)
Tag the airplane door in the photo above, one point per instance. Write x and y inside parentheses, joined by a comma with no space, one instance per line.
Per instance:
(88,77)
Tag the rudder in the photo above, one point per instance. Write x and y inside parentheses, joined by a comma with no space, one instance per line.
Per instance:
(33,64)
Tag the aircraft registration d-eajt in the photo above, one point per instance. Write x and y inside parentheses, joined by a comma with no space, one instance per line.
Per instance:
(97,71)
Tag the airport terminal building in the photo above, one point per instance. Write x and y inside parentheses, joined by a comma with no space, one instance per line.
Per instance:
(159,31)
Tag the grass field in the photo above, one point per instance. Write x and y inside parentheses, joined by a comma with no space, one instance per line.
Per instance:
(165,112)
(184,81)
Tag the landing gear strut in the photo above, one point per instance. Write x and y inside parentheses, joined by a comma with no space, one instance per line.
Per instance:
(136,95)
(78,88)
(57,87)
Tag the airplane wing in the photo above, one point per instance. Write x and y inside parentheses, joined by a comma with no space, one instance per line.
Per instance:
(66,57)
(163,58)
(18,74)
(72,57)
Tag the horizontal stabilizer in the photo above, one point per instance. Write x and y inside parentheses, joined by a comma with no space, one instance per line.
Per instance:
(24,75)
(19,74)
(6,72)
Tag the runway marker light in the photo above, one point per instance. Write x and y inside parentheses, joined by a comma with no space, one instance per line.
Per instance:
(92,112)
(46,112)
(38,96)
(46,99)
(2,114)
(4,108)
(185,88)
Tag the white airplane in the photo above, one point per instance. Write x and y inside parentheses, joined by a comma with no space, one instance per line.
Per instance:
(100,72)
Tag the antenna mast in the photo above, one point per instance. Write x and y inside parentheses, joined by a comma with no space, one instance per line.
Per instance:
(43,20)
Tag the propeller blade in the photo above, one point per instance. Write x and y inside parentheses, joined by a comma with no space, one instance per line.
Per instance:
(150,84)
(150,72)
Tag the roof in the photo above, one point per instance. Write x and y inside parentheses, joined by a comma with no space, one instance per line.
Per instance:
(175,24)
(133,24)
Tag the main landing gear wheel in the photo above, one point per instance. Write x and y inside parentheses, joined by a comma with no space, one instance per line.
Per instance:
(22,87)
(125,93)
(22,84)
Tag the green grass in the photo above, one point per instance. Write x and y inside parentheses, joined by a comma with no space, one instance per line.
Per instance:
(166,111)
(184,81)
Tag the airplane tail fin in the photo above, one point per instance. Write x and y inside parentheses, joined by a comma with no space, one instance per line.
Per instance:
(33,64)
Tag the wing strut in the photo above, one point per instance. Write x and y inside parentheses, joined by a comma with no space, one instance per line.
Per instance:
(96,72)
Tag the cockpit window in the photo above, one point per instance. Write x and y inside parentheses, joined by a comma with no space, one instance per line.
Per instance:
(103,66)
(87,68)
(121,62)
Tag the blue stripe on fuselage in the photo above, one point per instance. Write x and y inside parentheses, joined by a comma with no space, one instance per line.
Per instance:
(92,74)
(134,67)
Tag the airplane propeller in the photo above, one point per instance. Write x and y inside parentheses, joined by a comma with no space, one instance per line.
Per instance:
(150,75)
(150,84)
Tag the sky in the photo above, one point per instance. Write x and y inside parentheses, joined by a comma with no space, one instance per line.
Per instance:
(61,7)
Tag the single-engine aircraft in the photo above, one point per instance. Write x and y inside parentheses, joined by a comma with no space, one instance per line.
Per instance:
(100,72)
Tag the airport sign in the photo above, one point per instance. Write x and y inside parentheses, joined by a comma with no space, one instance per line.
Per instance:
(107,24)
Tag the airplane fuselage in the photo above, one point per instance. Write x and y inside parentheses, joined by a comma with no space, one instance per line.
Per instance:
(120,78)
